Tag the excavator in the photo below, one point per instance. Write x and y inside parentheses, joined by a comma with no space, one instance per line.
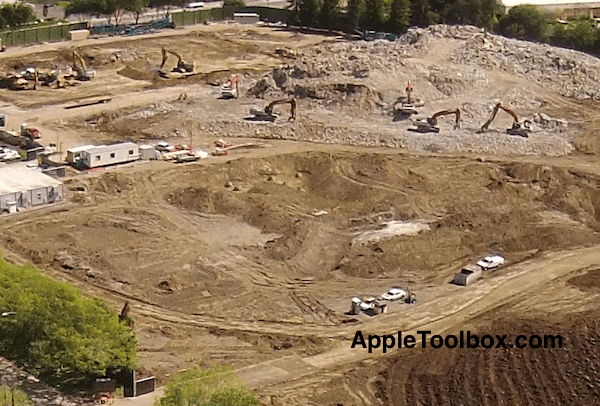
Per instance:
(83,72)
(182,67)
(27,80)
(408,105)
(517,128)
(267,113)
(430,125)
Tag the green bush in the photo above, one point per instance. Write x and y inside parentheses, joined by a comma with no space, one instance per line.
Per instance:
(6,396)
(526,22)
(217,386)
(57,332)
(236,3)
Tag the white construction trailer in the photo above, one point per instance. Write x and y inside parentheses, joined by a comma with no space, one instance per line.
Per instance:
(468,275)
(22,187)
(110,154)
(74,154)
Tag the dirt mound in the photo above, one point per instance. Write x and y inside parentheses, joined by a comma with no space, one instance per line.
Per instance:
(502,376)
(590,281)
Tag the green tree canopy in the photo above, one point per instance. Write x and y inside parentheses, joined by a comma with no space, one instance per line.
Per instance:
(217,386)
(526,21)
(581,33)
(15,15)
(483,13)
(399,16)
(57,332)
(236,3)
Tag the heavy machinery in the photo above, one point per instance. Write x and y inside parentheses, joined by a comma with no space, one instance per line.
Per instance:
(182,66)
(26,80)
(408,105)
(521,129)
(231,89)
(430,125)
(82,71)
(267,113)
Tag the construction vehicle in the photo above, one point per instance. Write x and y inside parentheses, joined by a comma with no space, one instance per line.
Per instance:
(26,80)
(231,89)
(408,105)
(430,125)
(521,129)
(267,113)
(82,72)
(182,66)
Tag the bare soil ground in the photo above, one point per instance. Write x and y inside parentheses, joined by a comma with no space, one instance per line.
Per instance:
(252,259)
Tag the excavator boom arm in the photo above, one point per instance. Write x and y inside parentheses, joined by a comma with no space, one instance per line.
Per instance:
(497,107)
(433,119)
(291,101)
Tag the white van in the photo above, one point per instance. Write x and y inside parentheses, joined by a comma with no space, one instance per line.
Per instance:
(194,6)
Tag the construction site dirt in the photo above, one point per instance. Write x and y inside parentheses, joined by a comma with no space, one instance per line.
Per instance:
(251,259)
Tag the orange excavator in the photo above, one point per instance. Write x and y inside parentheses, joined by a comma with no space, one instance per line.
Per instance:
(431,124)
(267,113)
(522,130)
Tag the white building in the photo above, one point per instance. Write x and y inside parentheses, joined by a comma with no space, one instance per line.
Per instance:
(246,18)
(566,7)
(21,186)
(110,154)
(74,154)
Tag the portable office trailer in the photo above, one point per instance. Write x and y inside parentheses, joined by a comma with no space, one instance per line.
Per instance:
(23,187)
(110,154)
(246,18)
(147,152)
(468,275)
(74,154)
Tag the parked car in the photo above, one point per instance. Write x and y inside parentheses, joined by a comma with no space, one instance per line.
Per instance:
(394,294)
(368,303)
(7,154)
(164,146)
(491,262)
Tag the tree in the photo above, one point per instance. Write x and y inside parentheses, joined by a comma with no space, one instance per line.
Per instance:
(236,3)
(217,386)
(581,33)
(57,332)
(329,13)
(374,15)
(526,21)
(355,11)
(422,13)
(483,13)
(15,15)
(399,16)
(136,8)
(308,12)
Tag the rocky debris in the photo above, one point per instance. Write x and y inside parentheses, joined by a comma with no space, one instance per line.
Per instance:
(67,262)
(567,72)
(39,393)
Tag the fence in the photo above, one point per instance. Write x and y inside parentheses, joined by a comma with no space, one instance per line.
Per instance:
(60,32)
(40,34)
(225,13)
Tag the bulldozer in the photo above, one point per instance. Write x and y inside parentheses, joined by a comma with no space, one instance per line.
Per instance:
(82,71)
(182,66)
(430,125)
(518,128)
(267,113)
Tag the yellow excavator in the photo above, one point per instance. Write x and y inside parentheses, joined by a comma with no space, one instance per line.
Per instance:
(27,80)
(517,128)
(182,66)
(430,125)
(267,113)
(82,71)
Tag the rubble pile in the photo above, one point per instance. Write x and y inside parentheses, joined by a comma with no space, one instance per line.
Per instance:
(567,72)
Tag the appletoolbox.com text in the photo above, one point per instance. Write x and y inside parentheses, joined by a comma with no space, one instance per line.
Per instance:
(465,339)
